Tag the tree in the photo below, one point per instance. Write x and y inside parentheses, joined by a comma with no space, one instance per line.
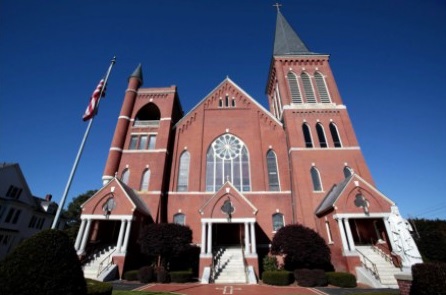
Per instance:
(165,241)
(430,237)
(72,214)
(302,248)
(46,264)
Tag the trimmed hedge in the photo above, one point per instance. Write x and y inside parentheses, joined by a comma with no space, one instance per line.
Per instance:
(277,278)
(162,276)
(341,279)
(428,278)
(180,276)
(44,264)
(146,274)
(311,277)
(131,275)
(98,288)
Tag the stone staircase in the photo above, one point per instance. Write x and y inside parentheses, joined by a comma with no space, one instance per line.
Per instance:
(229,266)
(383,270)
(99,263)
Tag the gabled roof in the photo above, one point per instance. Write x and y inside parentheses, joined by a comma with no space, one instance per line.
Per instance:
(286,41)
(243,92)
(335,193)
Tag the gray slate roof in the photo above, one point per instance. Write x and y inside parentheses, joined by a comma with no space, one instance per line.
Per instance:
(332,196)
(286,41)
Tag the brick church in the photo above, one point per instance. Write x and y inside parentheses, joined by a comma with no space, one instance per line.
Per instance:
(235,172)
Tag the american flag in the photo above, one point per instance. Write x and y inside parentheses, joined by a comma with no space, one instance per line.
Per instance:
(90,112)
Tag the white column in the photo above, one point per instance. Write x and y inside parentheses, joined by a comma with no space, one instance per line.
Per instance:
(247,245)
(209,243)
(120,236)
(85,238)
(80,233)
(253,238)
(127,236)
(351,242)
(203,237)
(342,232)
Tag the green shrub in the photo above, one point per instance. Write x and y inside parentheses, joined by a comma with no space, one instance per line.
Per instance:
(277,278)
(162,276)
(98,288)
(270,263)
(146,274)
(341,279)
(46,264)
(180,276)
(428,278)
(131,275)
(311,277)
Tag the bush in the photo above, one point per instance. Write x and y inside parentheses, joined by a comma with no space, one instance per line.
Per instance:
(428,278)
(311,277)
(131,275)
(162,276)
(180,276)
(146,274)
(277,278)
(270,263)
(46,264)
(341,279)
(98,288)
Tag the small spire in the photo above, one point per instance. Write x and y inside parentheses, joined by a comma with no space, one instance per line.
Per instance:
(137,73)
(277,5)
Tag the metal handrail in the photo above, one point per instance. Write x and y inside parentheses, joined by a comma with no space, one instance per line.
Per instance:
(386,256)
(101,269)
(373,267)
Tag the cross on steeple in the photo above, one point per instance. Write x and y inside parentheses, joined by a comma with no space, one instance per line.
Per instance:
(277,5)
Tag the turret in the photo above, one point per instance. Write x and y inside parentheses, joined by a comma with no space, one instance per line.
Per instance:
(117,146)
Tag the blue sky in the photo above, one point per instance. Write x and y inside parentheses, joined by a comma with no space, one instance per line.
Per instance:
(388,58)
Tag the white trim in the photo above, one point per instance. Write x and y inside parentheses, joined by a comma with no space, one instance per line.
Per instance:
(361,215)
(166,119)
(151,91)
(102,217)
(124,117)
(200,193)
(116,149)
(318,105)
(145,151)
(225,220)
(296,149)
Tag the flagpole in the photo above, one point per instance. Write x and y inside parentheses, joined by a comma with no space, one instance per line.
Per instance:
(81,148)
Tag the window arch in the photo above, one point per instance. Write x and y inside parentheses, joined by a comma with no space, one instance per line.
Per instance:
(335,135)
(179,218)
(321,135)
(183,172)
(145,179)
(322,88)
(227,159)
(294,88)
(273,174)
(308,88)
(278,221)
(148,115)
(307,135)
(316,178)
(347,171)
(125,176)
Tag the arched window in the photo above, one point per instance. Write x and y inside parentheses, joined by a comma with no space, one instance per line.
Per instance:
(273,174)
(316,178)
(278,221)
(307,135)
(308,88)
(179,218)
(227,159)
(145,180)
(335,135)
(321,135)
(322,88)
(148,115)
(347,171)
(183,172)
(125,176)
(294,88)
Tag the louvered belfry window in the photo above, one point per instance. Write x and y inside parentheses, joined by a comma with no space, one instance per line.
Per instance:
(294,88)
(308,88)
(321,88)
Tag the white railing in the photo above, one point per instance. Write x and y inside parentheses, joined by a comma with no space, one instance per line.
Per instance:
(107,261)
(384,255)
(369,265)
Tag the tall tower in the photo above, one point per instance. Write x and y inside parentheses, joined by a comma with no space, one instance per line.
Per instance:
(322,145)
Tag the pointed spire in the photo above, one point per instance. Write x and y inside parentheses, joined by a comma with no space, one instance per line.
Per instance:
(286,41)
(137,73)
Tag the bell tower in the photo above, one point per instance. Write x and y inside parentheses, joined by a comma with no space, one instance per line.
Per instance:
(322,144)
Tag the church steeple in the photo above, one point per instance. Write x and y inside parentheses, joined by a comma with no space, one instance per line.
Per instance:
(286,41)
